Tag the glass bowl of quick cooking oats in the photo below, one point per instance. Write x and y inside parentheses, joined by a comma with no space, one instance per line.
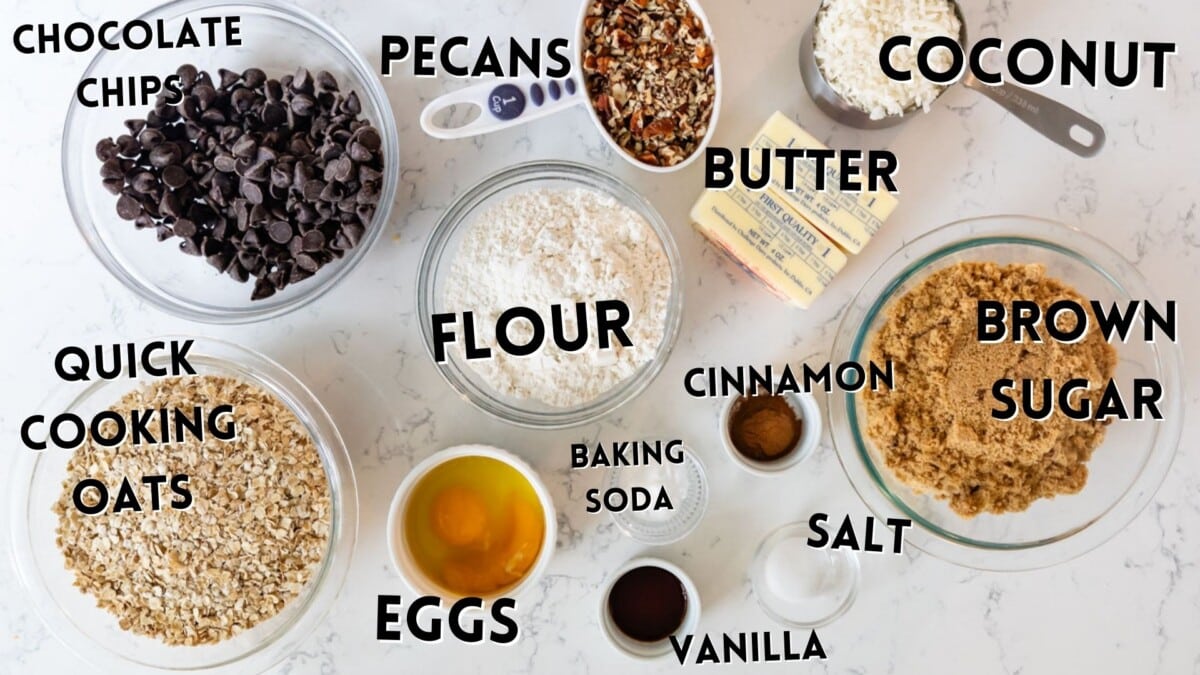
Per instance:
(1036,399)
(549,294)
(197,518)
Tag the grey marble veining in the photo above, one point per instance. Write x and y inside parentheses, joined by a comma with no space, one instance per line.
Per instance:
(1130,607)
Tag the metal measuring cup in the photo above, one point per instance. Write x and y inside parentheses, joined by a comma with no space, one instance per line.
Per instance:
(1050,118)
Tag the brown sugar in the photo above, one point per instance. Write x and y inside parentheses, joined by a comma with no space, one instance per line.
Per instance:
(935,429)
(764,428)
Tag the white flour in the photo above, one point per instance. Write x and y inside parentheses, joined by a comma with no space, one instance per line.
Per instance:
(545,247)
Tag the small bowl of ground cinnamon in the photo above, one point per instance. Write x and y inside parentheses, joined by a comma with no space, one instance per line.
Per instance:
(766,433)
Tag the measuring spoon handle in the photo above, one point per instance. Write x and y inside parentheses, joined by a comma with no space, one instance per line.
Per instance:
(1050,118)
(502,103)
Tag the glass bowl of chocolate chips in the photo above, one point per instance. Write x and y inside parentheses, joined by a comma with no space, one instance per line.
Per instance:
(235,166)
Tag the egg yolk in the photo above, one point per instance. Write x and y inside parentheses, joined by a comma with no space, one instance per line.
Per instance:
(494,570)
(526,541)
(459,516)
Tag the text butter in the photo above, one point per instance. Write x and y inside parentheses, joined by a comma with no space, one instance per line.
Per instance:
(850,219)
(796,208)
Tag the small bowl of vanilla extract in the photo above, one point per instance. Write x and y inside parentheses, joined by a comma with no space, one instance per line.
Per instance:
(646,602)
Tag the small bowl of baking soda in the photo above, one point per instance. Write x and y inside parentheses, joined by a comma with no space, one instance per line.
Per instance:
(549,294)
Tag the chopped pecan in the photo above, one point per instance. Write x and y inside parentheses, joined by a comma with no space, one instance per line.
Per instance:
(662,126)
(647,65)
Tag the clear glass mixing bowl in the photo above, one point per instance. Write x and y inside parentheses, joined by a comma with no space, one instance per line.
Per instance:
(277,37)
(1124,472)
(438,261)
(92,632)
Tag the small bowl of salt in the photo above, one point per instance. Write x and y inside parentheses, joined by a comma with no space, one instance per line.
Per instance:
(801,586)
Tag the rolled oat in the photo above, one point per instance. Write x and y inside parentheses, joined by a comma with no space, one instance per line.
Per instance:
(258,525)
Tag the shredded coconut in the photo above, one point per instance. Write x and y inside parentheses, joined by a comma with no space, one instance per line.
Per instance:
(551,246)
(848,38)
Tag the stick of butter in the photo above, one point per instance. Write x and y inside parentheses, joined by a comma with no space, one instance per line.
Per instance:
(771,242)
(850,219)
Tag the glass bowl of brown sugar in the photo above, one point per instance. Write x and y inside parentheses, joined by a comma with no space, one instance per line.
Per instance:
(1014,493)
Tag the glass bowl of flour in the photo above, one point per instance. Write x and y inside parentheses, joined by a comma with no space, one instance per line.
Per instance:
(549,294)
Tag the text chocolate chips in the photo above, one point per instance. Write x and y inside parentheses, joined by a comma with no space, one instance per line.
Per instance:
(264,178)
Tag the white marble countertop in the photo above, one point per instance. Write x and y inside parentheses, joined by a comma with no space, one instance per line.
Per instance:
(1130,606)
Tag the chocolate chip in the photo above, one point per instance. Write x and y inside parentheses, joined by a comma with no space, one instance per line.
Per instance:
(367,174)
(144,182)
(174,176)
(128,146)
(280,232)
(354,232)
(185,228)
(326,81)
(228,78)
(303,105)
(187,75)
(225,163)
(359,152)
(169,206)
(312,189)
(369,194)
(258,171)
(307,263)
(345,169)
(302,82)
(204,95)
(238,272)
(274,114)
(165,154)
(106,149)
(235,170)
(251,191)
(111,168)
(262,289)
(149,138)
(368,138)
(245,147)
(313,242)
(128,208)
(213,117)
(299,274)
(331,193)
(274,90)
(258,214)
(281,177)
(253,78)
(243,99)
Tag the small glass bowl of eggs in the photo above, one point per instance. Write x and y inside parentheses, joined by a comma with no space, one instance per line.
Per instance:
(471,521)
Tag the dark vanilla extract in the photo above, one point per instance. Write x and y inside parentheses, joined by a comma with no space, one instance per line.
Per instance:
(648,603)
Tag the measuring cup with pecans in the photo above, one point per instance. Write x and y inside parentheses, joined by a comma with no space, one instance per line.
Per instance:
(647,69)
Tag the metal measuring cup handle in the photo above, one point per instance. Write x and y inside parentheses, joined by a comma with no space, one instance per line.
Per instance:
(1048,117)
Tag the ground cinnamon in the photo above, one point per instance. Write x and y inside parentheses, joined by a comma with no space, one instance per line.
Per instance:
(764,428)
